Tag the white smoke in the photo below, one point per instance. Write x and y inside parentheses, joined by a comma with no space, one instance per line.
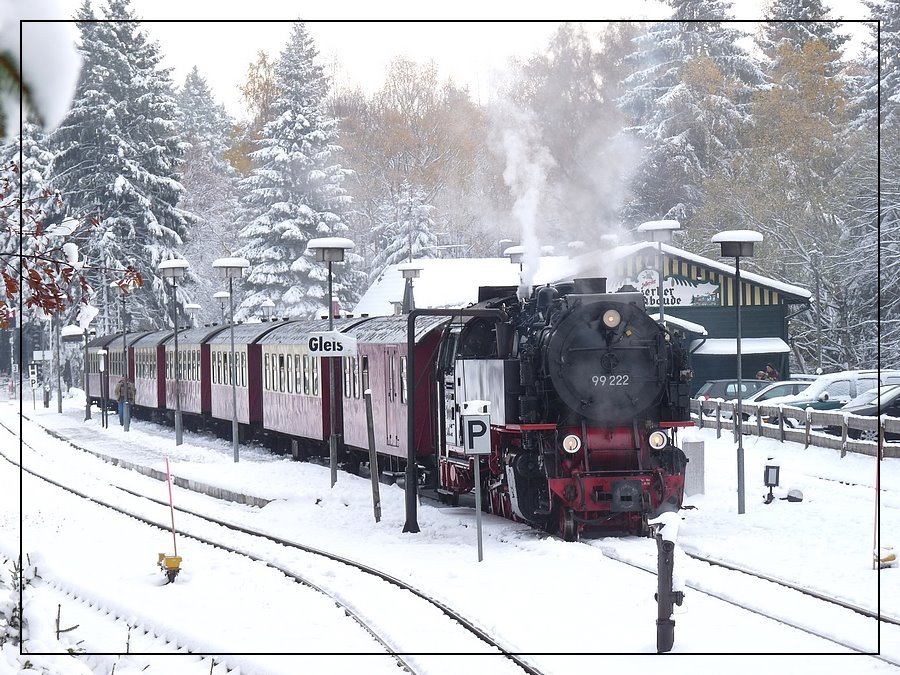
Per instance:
(527,163)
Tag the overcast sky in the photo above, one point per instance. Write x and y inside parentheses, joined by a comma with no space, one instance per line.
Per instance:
(358,50)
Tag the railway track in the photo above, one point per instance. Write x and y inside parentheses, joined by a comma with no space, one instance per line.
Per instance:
(439,619)
(784,609)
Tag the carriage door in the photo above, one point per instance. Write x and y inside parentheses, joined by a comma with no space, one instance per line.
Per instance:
(392,395)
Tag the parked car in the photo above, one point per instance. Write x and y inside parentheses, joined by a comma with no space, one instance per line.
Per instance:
(834,390)
(770,390)
(727,389)
(885,398)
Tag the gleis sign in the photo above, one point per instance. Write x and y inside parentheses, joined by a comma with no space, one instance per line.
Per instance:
(330,343)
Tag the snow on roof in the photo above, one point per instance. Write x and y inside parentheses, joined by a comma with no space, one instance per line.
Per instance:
(451,282)
(589,265)
(683,323)
(728,346)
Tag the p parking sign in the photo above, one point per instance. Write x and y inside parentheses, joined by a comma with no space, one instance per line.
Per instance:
(476,427)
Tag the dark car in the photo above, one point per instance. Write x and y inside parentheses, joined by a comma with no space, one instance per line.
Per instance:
(867,404)
(727,389)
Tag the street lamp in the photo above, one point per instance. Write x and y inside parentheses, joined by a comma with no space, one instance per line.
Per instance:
(101,354)
(222,297)
(174,269)
(661,232)
(737,244)
(232,268)
(330,250)
(516,255)
(410,271)
(501,244)
(192,309)
(126,407)
(267,307)
(770,479)
(76,334)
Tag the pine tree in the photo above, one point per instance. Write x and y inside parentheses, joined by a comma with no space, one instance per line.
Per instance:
(687,100)
(118,155)
(795,23)
(403,231)
(295,193)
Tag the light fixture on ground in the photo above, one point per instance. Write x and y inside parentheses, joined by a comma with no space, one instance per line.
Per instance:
(738,244)
(232,268)
(770,478)
(330,250)
(72,334)
(661,232)
(410,271)
(267,307)
(174,269)
(222,297)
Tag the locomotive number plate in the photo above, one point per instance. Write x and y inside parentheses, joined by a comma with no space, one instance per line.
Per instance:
(610,380)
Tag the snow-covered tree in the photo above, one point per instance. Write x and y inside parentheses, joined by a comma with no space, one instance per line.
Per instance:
(404,229)
(795,23)
(210,185)
(295,193)
(118,155)
(688,101)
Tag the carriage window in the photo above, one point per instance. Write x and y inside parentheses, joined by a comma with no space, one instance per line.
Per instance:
(169,374)
(306,374)
(345,363)
(365,373)
(355,362)
(243,369)
(290,374)
(281,376)
(402,379)
(392,388)
(219,367)
(194,362)
(266,369)
(315,376)
(298,375)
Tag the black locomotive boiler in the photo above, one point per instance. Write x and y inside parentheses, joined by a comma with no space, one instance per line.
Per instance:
(586,392)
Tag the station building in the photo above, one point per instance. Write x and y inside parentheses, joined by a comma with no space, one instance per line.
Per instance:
(700,298)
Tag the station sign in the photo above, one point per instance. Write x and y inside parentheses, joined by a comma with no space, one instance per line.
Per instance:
(330,343)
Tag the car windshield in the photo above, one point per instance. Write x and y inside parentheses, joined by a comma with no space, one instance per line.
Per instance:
(870,395)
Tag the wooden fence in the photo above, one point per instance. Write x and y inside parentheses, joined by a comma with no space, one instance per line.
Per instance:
(801,426)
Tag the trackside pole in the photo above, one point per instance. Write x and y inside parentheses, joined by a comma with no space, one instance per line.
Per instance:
(171,506)
(476,431)
(373,459)
(665,528)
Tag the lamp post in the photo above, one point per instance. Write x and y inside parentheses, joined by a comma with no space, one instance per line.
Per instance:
(737,244)
(410,271)
(232,268)
(501,244)
(174,269)
(330,250)
(222,297)
(661,232)
(79,334)
(101,354)
(267,307)
(192,309)
(126,408)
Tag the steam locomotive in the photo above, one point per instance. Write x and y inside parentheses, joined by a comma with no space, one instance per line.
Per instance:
(586,391)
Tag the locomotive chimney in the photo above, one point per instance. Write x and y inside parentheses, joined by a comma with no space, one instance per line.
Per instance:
(590,285)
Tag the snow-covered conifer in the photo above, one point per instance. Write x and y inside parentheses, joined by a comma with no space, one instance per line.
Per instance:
(295,193)
(403,230)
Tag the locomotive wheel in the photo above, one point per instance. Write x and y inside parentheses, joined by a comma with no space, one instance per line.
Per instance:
(567,527)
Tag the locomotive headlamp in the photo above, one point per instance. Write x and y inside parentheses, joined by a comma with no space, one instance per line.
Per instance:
(571,444)
(657,439)
(611,318)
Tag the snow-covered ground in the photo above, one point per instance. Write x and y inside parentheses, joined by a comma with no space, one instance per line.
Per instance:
(541,594)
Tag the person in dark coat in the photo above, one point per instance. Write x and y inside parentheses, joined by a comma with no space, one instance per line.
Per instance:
(771,373)
(124,391)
